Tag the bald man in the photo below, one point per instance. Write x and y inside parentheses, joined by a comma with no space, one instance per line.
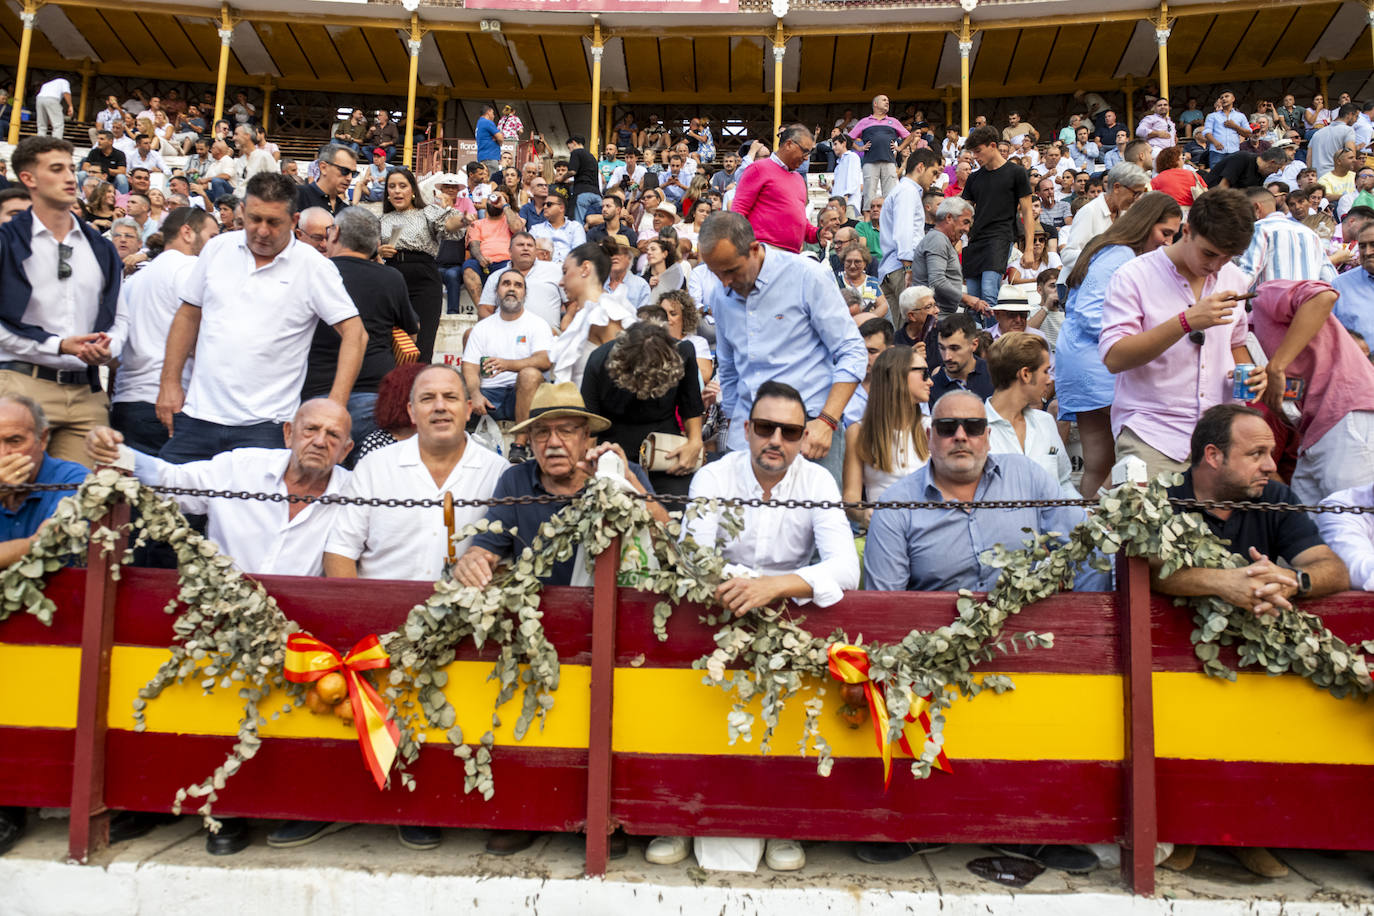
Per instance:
(313,228)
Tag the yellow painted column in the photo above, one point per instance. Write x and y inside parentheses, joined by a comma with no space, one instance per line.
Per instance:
(87,71)
(267,104)
(965,49)
(1369,11)
(779,52)
(414,46)
(1130,106)
(594,142)
(28,16)
(1323,72)
(949,105)
(1162,40)
(226,35)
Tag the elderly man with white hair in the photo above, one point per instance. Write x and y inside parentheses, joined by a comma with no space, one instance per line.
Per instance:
(1125,182)
(936,262)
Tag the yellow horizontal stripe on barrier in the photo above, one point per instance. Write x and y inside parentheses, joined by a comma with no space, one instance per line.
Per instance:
(1269,719)
(669,711)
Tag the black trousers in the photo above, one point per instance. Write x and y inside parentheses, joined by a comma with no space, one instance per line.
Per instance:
(426,290)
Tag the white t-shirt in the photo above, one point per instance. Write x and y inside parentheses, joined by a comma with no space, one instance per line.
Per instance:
(543,292)
(54,89)
(397,543)
(147,302)
(515,339)
(256,325)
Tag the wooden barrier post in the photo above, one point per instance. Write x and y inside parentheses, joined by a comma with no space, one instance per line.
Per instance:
(604,601)
(89,827)
(1142,824)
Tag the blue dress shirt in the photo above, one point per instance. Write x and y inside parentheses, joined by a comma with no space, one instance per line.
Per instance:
(793,327)
(38,507)
(940,549)
(1355,307)
(1218,127)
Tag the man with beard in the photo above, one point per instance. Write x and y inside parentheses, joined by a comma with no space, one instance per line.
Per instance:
(506,357)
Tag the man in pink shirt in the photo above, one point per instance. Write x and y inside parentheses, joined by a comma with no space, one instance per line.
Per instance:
(881,139)
(1172,333)
(772,195)
(1316,368)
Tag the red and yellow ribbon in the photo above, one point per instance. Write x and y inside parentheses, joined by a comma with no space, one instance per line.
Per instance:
(849,665)
(308,660)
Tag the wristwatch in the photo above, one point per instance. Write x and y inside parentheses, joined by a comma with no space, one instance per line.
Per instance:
(1304,583)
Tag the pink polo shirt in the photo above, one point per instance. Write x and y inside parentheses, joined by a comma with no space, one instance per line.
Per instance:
(1162,400)
(1330,376)
(774,201)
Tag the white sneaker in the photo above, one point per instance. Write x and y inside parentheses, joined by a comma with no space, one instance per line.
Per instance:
(666,850)
(784,855)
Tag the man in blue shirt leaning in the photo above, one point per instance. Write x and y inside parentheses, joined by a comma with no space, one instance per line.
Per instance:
(779,316)
(489,140)
(23,459)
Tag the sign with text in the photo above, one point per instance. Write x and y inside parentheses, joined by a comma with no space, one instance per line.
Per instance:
(608,6)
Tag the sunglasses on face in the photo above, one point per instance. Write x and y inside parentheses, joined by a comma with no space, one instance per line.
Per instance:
(924,370)
(764,429)
(347,173)
(64,261)
(946,427)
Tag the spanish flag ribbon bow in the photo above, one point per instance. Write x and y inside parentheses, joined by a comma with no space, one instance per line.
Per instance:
(308,660)
(849,665)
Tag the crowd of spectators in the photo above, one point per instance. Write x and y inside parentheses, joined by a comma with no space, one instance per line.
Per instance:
(879,309)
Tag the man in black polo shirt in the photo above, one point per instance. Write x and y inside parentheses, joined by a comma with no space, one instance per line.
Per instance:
(960,365)
(111,162)
(338,166)
(1247,170)
(1232,460)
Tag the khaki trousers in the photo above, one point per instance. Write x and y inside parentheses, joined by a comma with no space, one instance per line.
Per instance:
(72,411)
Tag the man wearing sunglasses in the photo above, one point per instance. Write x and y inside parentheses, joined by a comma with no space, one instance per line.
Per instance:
(59,290)
(338,167)
(775,544)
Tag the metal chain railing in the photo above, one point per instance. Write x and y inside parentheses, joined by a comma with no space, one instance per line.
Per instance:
(1229,505)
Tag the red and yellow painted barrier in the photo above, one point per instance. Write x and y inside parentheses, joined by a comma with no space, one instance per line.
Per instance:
(1263,761)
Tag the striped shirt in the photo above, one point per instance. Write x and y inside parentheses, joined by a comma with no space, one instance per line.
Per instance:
(1284,249)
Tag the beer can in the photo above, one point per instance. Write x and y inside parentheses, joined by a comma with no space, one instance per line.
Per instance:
(1240,391)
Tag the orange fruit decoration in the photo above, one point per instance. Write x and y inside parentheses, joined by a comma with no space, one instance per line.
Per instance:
(332,687)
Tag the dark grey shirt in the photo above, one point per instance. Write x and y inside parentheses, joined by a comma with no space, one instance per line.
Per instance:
(936,264)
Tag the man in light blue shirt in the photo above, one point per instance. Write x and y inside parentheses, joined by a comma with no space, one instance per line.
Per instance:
(902,222)
(1223,130)
(1355,307)
(779,316)
(941,549)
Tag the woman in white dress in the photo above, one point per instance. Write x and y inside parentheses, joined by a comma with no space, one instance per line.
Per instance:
(890,441)
(592,316)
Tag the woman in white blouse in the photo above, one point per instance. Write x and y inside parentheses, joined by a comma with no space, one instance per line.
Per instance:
(411,231)
(1019,364)
(890,441)
(592,316)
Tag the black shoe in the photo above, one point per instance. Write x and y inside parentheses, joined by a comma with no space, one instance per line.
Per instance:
(232,837)
(509,842)
(302,833)
(12,824)
(618,846)
(887,853)
(130,825)
(519,454)
(420,838)
(1076,860)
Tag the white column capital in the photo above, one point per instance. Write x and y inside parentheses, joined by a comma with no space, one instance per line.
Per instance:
(414,45)
(1370,13)
(28,19)
(597,51)
(779,52)
(225,36)
(1162,35)
(965,48)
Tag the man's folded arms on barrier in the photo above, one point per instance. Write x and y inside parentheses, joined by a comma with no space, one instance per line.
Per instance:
(563,432)
(263,538)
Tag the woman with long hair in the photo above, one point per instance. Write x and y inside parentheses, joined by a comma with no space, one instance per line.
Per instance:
(689,231)
(411,232)
(1082,383)
(890,441)
(1173,179)
(664,272)
(98,208)
(592,317)
(510,184)
(646,382)
(157,205)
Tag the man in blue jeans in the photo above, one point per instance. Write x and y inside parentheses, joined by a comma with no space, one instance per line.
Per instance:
(1000,192)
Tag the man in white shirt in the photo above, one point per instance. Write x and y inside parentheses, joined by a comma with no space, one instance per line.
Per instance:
(263,537)
(249,311)
(59,292)
(849,179)
(1351,536)
(773,551)
(106,117)
(145,157)
(53,100)
(122,141)
(252,158)
(543,281)
(372,542)
(505,359)
(147,303)
(566,234)
(632,169)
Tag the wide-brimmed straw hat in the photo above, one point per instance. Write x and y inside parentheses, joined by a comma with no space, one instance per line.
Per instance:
(561,400)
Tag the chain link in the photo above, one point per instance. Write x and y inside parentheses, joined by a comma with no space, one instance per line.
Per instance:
(1229,505)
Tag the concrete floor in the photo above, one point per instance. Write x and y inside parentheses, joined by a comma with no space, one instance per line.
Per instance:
(168,871)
